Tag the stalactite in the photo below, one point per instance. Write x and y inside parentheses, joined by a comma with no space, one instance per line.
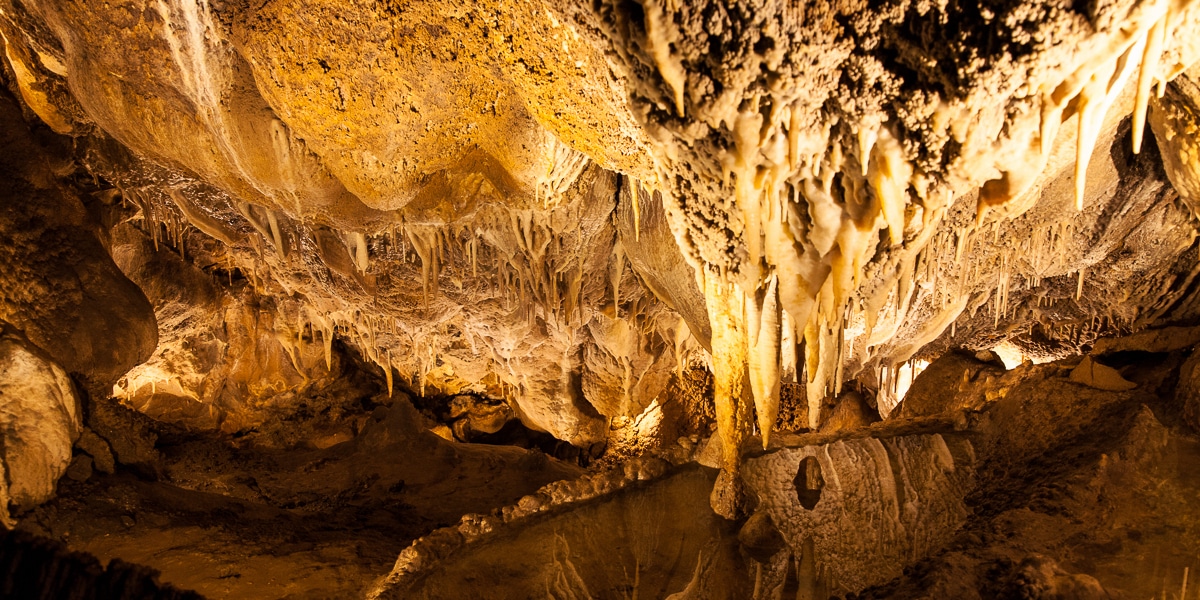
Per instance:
(360,256)
(763,350)
(1146,75)
(726,314)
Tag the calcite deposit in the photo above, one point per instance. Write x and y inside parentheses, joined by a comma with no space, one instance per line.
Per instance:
(621,298)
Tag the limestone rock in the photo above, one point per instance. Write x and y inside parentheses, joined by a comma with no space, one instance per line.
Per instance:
(1164,339)
(760,537)
(62,289)
(864,525)
(1175,119)
(1042,577)
(948,384)
(849,411)
(127,432)
(80,468)
(39,423)
(473,417)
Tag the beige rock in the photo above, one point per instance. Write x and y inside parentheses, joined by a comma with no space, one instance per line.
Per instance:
(39,423)
(1175,119)
(865,525)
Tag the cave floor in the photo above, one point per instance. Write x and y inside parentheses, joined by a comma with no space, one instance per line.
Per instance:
(246,522)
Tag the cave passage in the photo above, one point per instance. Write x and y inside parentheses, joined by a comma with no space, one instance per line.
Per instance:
(686,299)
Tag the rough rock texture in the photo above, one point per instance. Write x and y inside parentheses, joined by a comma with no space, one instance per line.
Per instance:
(950,383)
(620,547)
(1175,119)
(39,423)
(220,356)
(1089,516)
(1187,395)
(61,288)
(482,201)
(889,186)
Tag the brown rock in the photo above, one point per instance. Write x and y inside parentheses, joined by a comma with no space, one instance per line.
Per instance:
(728,497)
(98,449)
(127,432)
(62,290)
(1165,339)
(1101,377)
(760,537)
(849,411)
(80,468)
(1187,392)
(948,384)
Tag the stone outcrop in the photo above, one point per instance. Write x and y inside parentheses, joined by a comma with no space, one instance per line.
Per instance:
(40,419)
(62,290)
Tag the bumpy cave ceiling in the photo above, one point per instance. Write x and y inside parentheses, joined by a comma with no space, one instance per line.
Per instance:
(599,299)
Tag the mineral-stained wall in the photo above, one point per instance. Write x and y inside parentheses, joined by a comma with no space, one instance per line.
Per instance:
(607,223)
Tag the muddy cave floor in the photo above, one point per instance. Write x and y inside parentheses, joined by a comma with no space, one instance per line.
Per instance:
(1107,505)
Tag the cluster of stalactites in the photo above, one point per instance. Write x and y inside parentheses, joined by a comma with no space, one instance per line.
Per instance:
(812,206)
(1091,88)
(810,222)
